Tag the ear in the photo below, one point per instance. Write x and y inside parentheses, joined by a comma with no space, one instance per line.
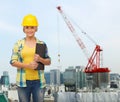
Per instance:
(23,29)
(36,29)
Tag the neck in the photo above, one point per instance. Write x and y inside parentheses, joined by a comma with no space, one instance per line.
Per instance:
(30,39)
(31,42)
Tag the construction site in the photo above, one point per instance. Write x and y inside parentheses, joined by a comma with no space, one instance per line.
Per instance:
(94,71)
(88,83)
(96,76)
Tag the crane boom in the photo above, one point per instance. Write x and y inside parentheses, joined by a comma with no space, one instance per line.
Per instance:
(79,41)
(93,60)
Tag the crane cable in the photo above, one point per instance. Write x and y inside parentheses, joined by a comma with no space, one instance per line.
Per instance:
(58,39)
(54,4)
(82,31)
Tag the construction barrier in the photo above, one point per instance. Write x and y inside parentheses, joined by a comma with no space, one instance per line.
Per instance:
(87,97)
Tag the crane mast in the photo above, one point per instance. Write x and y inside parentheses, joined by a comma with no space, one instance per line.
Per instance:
(93,60)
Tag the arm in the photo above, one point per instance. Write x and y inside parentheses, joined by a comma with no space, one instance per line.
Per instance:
(42,54)
(16,59)
(45,61)
(32,65)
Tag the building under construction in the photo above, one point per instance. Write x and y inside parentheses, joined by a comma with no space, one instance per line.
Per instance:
(96,75)
(74,78)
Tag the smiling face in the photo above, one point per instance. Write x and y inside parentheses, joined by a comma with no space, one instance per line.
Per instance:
(29,30)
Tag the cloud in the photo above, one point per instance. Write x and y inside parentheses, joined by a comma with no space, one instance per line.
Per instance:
(4,26)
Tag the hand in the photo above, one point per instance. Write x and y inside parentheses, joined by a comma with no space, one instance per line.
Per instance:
(33,65)
(37,58)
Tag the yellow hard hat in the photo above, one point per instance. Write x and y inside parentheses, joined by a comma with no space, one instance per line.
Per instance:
(30,20)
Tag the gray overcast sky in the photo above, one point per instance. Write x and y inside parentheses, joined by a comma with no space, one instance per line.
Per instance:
(99,18)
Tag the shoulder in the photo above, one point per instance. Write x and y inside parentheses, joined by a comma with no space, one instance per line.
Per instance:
(40,42)
(20,42)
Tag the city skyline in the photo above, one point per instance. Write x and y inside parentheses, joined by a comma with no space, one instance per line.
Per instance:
(99,19)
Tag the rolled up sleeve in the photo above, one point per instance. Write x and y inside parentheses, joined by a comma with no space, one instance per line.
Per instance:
(14,56)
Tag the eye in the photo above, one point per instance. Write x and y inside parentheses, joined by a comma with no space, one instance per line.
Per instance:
(32,27)
(26,27)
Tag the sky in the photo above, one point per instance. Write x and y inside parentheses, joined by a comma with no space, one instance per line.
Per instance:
(100,19)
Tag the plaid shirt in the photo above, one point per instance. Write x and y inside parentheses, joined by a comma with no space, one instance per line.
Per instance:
(21,75)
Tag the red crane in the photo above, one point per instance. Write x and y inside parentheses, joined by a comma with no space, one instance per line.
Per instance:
(93,65)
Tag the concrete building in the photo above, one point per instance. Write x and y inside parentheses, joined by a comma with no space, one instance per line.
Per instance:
(114,80)
(55,77)
(5,79)
(74,78)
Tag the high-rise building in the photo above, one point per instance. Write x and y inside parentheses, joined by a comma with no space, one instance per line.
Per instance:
(55,77)
(61,78)
(114,80)
(80,77)
(5,79)
(69,77)
(74,78)
(47,77)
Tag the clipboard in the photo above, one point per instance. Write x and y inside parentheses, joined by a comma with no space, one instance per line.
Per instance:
(40,50)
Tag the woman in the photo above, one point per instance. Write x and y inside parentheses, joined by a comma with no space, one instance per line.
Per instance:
(29,80)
